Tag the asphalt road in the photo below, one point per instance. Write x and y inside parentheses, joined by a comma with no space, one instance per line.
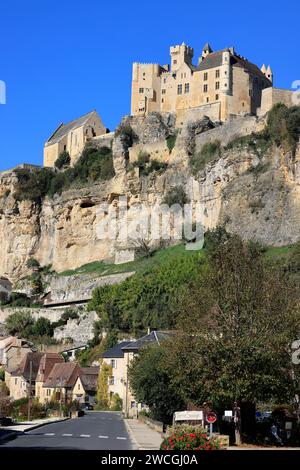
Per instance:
(94,431)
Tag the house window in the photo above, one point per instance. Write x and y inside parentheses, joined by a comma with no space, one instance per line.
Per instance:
(112,380)
(218,73)
(48,393)
(113,363)
(78,386)
(141,90)
(217,97)
(205,88)
(163,91)
(217,85)
(187,88)
(179,89)
(205,76)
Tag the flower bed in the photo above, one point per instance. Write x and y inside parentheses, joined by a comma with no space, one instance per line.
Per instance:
(190,439)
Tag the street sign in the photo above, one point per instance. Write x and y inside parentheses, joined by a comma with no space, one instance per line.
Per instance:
(211,417)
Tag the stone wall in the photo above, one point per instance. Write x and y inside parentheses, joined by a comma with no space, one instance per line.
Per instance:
(81,330)
(271,96)
(51,314)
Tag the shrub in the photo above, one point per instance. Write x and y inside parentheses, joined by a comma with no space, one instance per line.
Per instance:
(146,166)
(4,298)
(33,185)
(18,299)
(63,160)
(171,141)
(284,126)
(193,439)
(116,403)
(127,134)
(176,195)
(208,153)
(32,263)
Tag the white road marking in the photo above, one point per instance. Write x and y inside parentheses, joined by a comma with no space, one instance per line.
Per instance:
(67,435)
(122,438)
(85,435)
(49,434)
(103,437)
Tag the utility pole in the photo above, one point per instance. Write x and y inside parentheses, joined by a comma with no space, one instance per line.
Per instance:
(60,398)
(29,390)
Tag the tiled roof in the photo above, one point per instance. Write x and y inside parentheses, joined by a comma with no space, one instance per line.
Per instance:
(24,368)
(64,129)
(46,365)
(63,375)
(89,378)
(116,351)
(153,337)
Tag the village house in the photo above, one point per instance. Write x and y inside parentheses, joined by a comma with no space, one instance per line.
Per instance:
(68,381)
(72,137)
(24,376)
(47,363)
(119,357)
(13,350)
(222,85)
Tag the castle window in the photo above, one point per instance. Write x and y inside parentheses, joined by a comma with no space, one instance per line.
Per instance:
(174,62)
(162,100)
(218,73)
(207,99)
(217,85)
(187,88)
(163,91)
(141,90)
(205,76)
(179,89)
(217,97)
(205,88)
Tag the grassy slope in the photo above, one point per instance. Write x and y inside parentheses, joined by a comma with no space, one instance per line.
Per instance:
(273,254)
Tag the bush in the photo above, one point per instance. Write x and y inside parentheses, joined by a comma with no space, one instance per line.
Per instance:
(127,134)
(32,263)
(191,439)
(4,298)
(171,141)
(284,126)
(63,160)
(33,185)
(20,323)
(18,299)
(208,153)
(176,195)
(146,166)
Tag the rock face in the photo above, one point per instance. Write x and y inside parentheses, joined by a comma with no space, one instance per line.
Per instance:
(255,195)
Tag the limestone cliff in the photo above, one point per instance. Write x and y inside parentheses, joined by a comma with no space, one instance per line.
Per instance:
(252,192)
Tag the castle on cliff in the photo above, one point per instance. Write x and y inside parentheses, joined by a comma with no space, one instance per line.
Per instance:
(223,84)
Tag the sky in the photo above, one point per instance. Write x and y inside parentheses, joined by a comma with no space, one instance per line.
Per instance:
(61,59)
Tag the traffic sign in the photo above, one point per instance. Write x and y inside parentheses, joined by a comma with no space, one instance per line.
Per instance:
(211,417)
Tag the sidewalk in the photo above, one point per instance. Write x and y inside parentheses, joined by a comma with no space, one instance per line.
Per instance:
(142,437)
(9,432)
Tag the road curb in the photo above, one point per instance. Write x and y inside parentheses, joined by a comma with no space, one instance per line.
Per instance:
(131,435)
(15,433)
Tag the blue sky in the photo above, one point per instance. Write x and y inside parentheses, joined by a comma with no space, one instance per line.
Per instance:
(60,59)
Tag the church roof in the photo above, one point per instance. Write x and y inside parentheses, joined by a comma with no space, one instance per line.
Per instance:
(64,129)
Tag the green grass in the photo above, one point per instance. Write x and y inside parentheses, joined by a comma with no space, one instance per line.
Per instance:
(272,254)
(139,265)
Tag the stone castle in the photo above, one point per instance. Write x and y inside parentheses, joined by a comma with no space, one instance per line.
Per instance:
(222,85)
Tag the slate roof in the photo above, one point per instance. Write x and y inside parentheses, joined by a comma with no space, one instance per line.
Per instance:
(63,375)
(64,129)
(116,351)
(215,60)
(23,370)
(151,338)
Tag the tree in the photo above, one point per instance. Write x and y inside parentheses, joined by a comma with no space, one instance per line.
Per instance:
(63,160)
(237,323)
(152,385)
(43,327)
(102,390)
(32,263)
(19,323)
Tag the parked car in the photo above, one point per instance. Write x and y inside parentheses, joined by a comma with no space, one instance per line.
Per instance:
(87,406)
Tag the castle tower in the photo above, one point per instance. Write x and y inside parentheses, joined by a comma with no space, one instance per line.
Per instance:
(179,55)
(206,50)
(269,74)
(263,69)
